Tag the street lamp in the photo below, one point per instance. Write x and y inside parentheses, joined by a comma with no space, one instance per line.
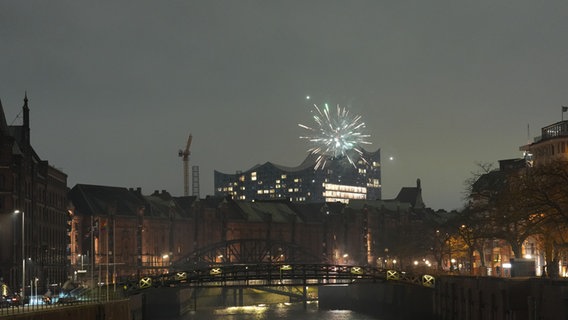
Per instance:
(23,259)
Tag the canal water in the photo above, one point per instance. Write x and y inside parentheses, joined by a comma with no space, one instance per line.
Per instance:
(282,311)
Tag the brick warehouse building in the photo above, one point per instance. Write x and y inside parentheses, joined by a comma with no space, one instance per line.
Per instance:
(39,192)
(132,234)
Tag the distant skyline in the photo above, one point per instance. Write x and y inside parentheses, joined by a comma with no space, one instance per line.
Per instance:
(115,88)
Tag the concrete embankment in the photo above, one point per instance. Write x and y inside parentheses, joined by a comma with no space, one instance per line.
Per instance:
(454,298)
(501,298)
(113,310)
(385,300)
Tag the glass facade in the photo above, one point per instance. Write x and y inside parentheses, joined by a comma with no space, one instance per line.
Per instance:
(339,180)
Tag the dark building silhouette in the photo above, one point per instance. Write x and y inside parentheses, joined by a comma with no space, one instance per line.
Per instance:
(412,195)
(39,191)
(132,233)
(339,180)
(138,234)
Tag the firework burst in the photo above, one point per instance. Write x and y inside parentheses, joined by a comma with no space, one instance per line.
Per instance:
(335,134)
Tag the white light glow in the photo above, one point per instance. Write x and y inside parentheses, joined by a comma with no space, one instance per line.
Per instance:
(335,133)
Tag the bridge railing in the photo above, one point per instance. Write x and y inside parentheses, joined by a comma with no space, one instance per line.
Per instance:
(243,275)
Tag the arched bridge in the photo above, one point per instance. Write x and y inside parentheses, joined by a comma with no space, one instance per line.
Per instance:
(243,251)
(277,274)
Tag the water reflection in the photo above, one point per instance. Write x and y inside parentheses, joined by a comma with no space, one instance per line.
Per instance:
(282,311)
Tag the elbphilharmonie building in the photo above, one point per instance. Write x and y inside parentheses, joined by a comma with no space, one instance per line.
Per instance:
(339,180)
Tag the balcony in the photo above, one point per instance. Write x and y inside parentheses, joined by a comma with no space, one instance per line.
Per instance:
(559,129)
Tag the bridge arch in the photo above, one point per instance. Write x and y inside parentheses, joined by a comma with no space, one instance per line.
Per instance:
(246,251)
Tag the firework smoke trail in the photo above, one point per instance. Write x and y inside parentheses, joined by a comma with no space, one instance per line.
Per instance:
(335,134)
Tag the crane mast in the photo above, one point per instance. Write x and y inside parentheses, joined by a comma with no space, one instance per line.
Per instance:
(184,154)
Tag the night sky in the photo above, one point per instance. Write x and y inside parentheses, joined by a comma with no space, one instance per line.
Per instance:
(115,87)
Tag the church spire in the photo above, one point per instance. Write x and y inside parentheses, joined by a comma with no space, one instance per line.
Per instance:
(26,124)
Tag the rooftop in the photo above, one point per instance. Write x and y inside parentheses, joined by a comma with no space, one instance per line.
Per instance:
(558,129)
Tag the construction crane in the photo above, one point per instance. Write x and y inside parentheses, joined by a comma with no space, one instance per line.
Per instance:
(184,154)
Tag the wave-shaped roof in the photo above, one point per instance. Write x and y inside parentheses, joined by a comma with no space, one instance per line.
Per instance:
(308,163)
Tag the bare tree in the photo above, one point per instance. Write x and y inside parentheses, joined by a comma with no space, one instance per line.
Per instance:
(545,192)
(513,216)
(469,183)
(499,209)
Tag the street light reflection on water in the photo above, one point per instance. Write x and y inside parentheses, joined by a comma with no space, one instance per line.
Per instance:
(260,309)
(283,311)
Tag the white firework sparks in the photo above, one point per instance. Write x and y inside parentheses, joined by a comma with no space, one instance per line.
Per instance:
(335,134)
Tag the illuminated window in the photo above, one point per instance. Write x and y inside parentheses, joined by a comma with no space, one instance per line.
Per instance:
(342,193)
(253,176)
(283,176)
(277,181)
(376,164)
(259,192)
(242,178)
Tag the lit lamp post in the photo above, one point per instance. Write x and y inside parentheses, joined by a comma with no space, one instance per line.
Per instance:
(23,259)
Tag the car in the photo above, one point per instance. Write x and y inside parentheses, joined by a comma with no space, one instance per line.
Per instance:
(15,300)
(10,301)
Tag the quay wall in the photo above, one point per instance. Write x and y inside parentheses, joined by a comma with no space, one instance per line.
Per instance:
(454,298)
(500,298)
(112,310)
(390,300)
(167,303)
